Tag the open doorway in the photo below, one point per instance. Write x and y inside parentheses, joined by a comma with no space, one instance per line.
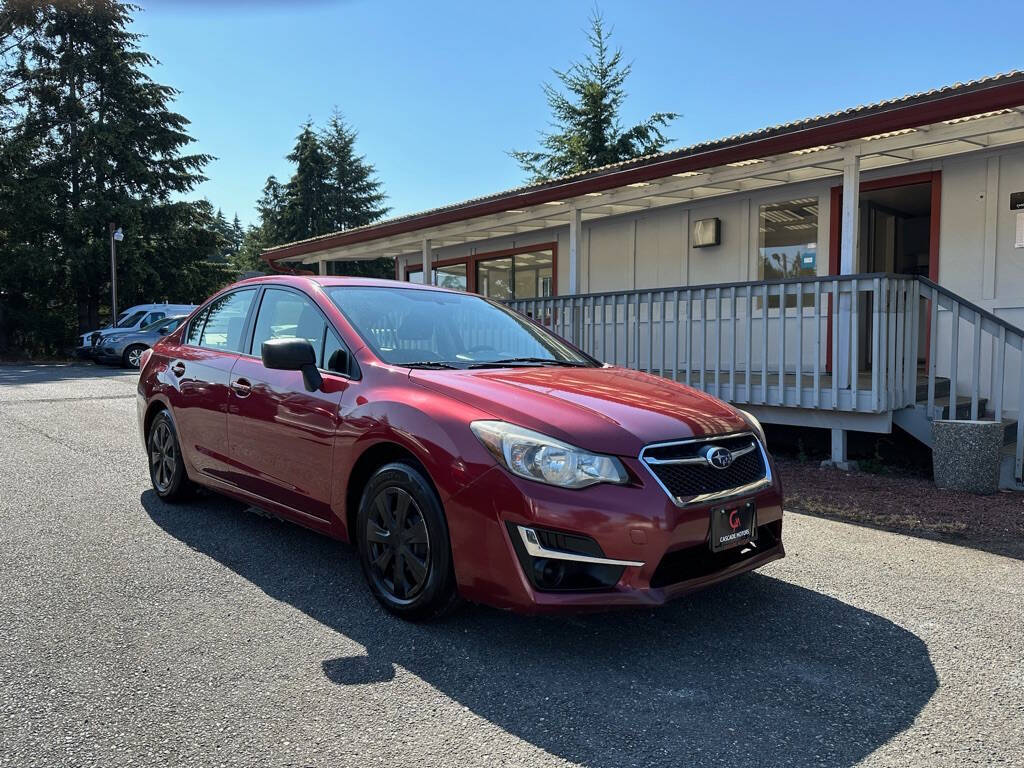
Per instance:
(898,233)
(895,230)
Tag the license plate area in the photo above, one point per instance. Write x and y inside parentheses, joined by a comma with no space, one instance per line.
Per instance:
(733,526)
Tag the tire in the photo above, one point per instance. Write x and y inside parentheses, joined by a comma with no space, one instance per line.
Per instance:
(402,536)
(166,465)
(130,358)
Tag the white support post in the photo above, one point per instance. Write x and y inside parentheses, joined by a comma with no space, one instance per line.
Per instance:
(847,262)
(428,277)
(839,449)
(322,267)
(575,231)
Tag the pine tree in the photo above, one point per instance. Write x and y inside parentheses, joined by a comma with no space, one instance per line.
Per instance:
(354,196)
(106,147)
(589,131)
(237,234)
(305,210)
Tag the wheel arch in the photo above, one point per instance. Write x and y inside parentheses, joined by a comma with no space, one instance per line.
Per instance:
(152,410)
(373,458)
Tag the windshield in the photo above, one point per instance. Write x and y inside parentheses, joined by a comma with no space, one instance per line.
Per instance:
(419,328)
(164,322)
(130,320)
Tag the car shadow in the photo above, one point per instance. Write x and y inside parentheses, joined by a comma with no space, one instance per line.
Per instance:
(753,672)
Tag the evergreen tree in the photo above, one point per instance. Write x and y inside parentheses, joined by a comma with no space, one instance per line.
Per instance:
(88,139)
(332,189)
(237,234)
(354,196)
(586,115)
(305,211)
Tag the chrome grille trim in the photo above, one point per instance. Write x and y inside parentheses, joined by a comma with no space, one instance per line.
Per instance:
(705,498)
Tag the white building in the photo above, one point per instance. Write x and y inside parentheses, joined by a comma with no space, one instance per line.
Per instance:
(870,227)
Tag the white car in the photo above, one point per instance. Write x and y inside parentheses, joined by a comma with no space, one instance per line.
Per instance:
(132,319)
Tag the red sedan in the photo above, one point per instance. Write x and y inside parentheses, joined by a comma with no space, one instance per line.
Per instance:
(464,450)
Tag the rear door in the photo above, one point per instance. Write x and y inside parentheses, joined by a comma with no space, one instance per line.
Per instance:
(201,368)
(281,437)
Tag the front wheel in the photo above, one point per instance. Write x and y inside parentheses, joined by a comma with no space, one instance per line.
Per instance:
(166,465)
(403,544)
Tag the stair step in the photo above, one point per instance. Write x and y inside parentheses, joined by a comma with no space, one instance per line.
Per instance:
(963,406)
(941,388)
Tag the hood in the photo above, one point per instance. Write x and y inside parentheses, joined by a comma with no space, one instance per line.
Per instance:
(607,410)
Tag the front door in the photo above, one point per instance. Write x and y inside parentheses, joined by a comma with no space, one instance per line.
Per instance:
(281,436)
(200,370)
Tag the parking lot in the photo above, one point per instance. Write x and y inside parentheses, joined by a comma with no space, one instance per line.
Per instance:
(135,633)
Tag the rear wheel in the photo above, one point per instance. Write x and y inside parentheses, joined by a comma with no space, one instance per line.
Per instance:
(403,544)
(166,465)
(132,357)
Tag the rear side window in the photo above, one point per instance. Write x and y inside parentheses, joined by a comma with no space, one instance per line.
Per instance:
(225,323)
(289,315)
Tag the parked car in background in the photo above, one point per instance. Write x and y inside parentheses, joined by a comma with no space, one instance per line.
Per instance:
(132,319)
(465,450)
(126,348)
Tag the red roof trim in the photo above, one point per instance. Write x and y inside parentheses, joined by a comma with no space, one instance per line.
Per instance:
(931,110)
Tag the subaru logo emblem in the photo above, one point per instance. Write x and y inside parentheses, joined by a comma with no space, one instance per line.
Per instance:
(718,457)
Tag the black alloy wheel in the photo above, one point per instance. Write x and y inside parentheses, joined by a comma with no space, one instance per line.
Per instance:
(403,543)
(166,465)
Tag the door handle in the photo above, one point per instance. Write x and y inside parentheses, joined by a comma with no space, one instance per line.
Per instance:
(178,369)
(241,387)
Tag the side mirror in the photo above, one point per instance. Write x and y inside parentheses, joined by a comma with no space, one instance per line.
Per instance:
(163,330)
(293,355)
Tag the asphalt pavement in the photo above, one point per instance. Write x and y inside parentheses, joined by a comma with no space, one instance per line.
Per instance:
(138,633)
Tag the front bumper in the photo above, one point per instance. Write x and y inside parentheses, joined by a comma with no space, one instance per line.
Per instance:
(636,524)
(107,354)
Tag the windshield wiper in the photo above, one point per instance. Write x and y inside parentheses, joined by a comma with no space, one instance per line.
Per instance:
(512,362)
(429,364)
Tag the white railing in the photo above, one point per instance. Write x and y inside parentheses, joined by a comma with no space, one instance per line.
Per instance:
(980,361)
(856,343)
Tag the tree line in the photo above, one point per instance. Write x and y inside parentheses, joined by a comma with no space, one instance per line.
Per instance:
(89,139)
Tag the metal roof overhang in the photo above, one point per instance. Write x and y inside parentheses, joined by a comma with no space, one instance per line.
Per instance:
(924,130)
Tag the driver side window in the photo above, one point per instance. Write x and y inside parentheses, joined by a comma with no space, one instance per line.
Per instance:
(288,315)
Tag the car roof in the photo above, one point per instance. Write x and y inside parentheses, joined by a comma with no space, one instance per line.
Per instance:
(333,281)
(149,307)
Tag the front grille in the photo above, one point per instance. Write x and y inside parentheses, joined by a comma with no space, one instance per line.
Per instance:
(689,482)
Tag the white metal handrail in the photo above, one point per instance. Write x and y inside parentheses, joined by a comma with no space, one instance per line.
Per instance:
(851,343)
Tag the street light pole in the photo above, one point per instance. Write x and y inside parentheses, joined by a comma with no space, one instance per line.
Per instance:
(116,236)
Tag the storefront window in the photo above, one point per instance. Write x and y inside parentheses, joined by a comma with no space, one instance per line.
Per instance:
(527,275)
(452,276)
(787,242)
(494,278)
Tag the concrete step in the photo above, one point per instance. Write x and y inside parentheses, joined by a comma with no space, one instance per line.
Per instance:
(1008,469)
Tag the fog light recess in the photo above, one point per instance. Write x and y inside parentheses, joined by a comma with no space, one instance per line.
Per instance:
(565,562)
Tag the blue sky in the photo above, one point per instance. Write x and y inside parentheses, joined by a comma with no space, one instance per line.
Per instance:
(440,90)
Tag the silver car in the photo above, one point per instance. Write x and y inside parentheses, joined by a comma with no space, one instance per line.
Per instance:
(127,348)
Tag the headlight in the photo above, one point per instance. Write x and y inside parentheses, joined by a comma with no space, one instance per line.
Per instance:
(755,425)
(538,457)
